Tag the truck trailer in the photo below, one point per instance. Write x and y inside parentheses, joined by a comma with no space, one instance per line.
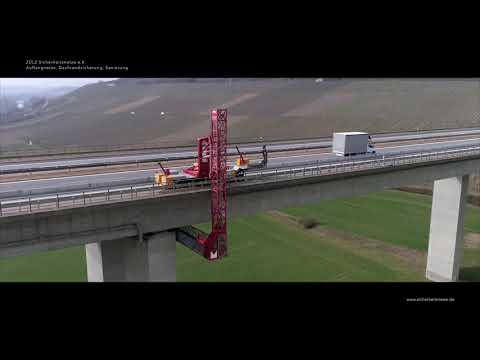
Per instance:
(352,143)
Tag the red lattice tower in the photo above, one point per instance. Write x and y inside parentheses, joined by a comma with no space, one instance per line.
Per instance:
(215,245)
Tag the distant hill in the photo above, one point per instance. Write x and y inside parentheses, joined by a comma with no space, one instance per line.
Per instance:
(176,111)
(24,92)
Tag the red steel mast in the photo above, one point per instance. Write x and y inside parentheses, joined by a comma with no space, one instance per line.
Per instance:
(215,245)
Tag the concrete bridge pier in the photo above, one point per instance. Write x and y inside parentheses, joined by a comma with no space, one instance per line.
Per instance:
(445,246)
(132,259)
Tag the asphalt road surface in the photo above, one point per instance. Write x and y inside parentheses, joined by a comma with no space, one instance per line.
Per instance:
(9,190)
(166,156)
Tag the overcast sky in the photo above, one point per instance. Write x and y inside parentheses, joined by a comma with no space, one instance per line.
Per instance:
(48,82)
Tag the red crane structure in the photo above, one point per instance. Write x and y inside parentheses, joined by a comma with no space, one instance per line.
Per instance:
(201,169)
(212,155)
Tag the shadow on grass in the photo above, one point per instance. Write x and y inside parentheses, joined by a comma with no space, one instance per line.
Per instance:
(469,274)
(308,223)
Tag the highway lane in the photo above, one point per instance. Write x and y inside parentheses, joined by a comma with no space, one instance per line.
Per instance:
(87,197)
(297,160)
(182,155)
(122,178)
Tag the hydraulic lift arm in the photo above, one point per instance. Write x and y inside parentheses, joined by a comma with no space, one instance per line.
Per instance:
(242,160)
(166,172)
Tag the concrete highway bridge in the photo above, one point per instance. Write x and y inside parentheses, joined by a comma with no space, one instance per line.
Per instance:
(129,225)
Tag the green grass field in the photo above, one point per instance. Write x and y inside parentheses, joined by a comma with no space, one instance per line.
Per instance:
(61,265)
(379,237)
(263,248)
(396,217)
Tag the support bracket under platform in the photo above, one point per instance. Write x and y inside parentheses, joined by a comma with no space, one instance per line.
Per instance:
(200,242)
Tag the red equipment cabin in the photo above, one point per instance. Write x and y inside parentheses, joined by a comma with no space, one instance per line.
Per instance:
(213,246)
(201,169)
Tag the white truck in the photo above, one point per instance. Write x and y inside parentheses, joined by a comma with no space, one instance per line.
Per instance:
(352,143)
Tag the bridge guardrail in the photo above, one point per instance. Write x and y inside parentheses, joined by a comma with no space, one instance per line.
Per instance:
(90,197)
